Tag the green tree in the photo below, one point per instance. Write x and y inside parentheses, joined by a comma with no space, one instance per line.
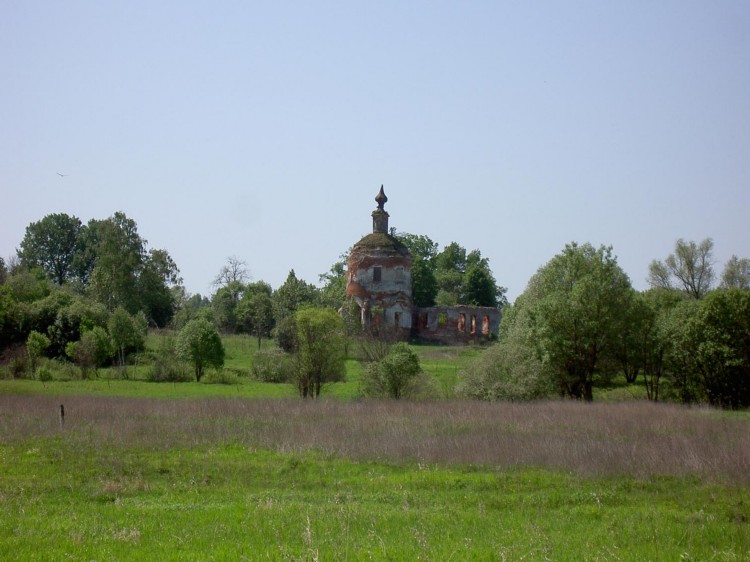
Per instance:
(91,351)
(424,287)
(255,310)
(156,281)
(199,344)
(511,369)
(718,338)
(120,255)
(224,304)
(691,265)
(420,246)
(51,244)
(126,332)
(394,376)
(333,293)
(36,344)
(449,272)
(736,274)
(578,306)
(320,350)
(293,293)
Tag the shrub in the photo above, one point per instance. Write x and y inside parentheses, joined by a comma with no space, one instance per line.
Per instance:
(36,344)
(221,376)
(397,375)
(199,343)
(166,366)
(273,365)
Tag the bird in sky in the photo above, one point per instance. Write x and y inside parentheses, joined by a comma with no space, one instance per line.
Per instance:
(61,175)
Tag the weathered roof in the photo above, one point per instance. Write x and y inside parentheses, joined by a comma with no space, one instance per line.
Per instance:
(382,243)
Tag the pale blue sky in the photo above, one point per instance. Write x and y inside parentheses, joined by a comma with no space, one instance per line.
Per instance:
(264,129)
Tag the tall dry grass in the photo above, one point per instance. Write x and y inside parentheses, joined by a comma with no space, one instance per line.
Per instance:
(636,438)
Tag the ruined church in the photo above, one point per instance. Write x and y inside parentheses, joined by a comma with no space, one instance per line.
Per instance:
(379,282)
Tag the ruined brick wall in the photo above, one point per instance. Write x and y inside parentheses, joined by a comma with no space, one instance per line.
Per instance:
(456,324)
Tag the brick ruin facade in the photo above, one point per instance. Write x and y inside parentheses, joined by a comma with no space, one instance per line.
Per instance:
(379,282)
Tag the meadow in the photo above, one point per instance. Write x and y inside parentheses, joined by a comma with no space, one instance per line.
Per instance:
(246,471)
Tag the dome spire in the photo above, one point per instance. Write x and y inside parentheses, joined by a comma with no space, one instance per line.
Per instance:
(381,198)
(380,215)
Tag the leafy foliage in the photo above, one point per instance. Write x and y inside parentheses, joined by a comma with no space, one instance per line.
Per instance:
(320,350)
(199,344)
(691,265)
(36,344)
(395,376)
(511,369)
(52,245)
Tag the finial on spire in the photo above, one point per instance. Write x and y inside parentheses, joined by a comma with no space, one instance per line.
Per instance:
(381,198)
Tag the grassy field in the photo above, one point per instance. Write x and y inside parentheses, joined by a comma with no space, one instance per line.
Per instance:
(221,479)
(243,470)
(441,363)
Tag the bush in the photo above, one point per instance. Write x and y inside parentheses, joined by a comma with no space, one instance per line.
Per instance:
(221,376)
(166,366)
(397,375)
(44,374)
(273,365)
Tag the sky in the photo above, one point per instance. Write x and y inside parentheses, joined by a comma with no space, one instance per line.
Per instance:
(264,130)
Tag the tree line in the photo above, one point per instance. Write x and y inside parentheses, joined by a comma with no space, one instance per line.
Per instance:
(88,293)
(579,323)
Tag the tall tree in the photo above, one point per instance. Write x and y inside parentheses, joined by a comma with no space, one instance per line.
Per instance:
(736,274)
(51,244)
(155,283)
(255,310)
(691,265)
(120,253)
(579,302)
(320,350)
(449,272)
(127,332)
(293,293)
(234,271)
(333,293)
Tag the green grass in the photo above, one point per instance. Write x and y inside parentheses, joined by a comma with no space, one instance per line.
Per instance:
(229,502)
(442,363)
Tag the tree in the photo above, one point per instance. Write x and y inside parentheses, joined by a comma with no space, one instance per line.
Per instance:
(36,344)
(51,244)
(736,274)
(224,304)
(424,288)
(394,376)
(126,332)
(511,369)
(333,293)
(320,349)
(156,280)
(653,335)
(255,310)
(120,254)
(449,272)
(293,293)
(718,341)
(420,246)
(578,306)
(91,351)
(691,265)
(234,271)
(199,344)
(3,271)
